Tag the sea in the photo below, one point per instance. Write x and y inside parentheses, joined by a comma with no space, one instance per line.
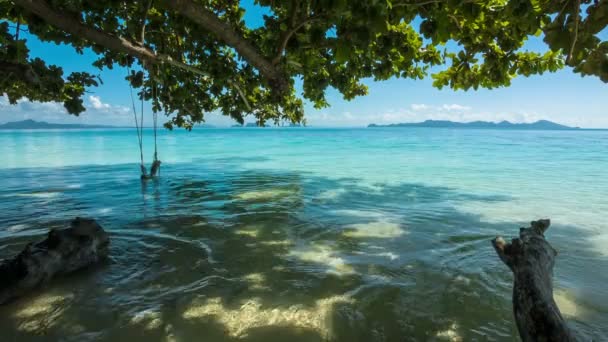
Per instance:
(304,234)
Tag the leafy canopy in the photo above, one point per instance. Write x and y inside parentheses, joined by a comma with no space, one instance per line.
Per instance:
(197,56)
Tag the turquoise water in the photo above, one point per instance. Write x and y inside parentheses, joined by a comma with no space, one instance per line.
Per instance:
(305,234)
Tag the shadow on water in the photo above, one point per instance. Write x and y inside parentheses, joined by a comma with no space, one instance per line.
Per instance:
(219,253)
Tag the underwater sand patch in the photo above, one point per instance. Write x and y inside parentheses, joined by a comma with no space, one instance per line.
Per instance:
(450,334)
(376,229)
(324,255)
(253,233)
(331,194)
(566,302)
(252,314)
(256,281)
(37,314)
(263,195)
(150,319)
(389,255)
(359,213)
(599,243)
(277,243)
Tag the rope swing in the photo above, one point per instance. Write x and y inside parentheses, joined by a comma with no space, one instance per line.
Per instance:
(139,124)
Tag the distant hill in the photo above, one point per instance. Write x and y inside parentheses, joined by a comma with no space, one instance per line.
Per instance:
(254,125)
(538,125)
(31,124)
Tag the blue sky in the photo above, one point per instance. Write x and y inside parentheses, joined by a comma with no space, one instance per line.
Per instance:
(563,97)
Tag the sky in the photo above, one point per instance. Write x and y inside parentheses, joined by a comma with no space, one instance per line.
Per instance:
(563,97)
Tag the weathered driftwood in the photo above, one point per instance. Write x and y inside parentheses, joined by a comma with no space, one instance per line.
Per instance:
(531,258)
(63,251)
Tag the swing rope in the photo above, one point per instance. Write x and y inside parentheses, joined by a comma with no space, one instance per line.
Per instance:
(156,163)
(154,119)
(139,126)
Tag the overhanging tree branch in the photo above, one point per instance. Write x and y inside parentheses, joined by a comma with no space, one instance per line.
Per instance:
(576,21)
(287,36)
(142,38)
(115,43)
(118,44)
(209,21)
(24,71)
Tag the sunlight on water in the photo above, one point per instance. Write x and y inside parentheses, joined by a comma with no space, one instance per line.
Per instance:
(450,334)
(376,229)
(38,195)
(568,305)
(149,319)
(42,312)
(17,227)
(251,314)
(264,195)
(324,255)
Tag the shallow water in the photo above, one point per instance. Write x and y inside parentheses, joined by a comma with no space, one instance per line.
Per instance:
(305,234)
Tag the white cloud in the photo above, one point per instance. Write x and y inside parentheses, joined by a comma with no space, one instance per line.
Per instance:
(455,107)
(419,113)
(419,107)
(97,112)
(96,102)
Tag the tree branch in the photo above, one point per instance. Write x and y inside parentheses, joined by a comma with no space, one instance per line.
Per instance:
(576,21)
(118,44)
(287,36)
(209,21)
(18,29)
(73,26)
(143,24)
(24,71)
(429,2)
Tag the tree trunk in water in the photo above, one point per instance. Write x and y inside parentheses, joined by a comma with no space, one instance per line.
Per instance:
(531,258)
(63,251)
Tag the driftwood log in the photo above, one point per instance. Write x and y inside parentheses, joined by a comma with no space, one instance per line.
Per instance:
(63,251)
(531,258)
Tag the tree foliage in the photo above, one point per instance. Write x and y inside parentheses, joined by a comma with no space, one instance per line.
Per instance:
(198,56)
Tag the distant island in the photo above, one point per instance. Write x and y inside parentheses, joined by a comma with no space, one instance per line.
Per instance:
(248,125)
(31,124)
(255,125)
(538,125)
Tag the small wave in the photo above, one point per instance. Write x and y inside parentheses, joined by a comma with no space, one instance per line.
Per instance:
(45,195)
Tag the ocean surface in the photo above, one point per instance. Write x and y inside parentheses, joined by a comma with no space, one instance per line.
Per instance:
(305,234)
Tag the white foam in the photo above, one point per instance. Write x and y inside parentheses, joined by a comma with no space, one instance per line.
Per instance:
(18,227)
(50,194)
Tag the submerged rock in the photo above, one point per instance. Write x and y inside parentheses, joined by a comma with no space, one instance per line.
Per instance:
(63,251)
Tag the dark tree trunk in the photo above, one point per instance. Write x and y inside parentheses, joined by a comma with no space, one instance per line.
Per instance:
(531,258)
(63,251)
